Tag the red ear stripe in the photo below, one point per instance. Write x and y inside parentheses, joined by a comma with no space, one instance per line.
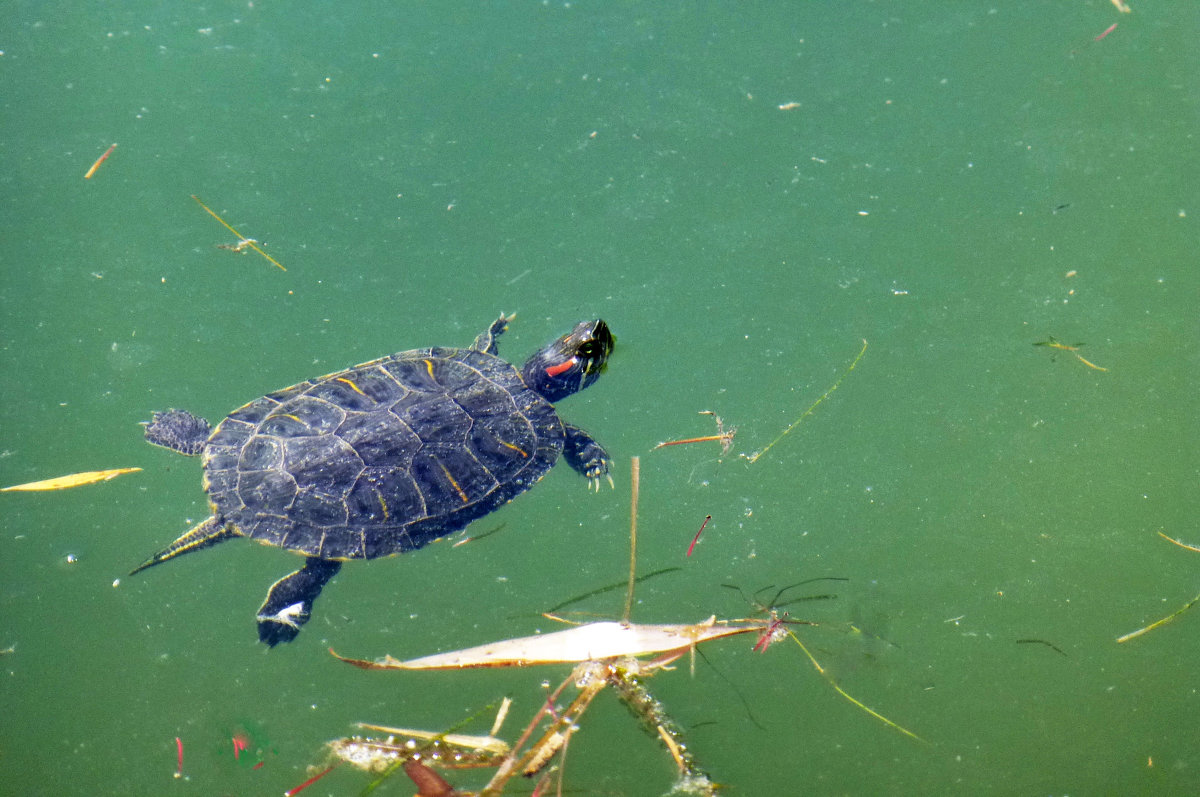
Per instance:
(565,365)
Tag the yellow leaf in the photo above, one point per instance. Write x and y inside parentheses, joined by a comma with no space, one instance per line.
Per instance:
(73,480)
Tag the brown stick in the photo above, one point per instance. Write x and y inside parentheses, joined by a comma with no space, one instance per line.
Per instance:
(635,467)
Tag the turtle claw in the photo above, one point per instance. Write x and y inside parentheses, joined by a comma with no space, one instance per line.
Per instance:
(598,471)
(284,625)
(486,340)
(586,456)
(289,602)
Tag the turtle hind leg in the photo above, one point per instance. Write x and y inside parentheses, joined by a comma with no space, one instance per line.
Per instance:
(290,600)
(486,340)
(178,430)
(202,535)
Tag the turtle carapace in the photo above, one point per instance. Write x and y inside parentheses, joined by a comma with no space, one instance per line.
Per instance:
(384,457)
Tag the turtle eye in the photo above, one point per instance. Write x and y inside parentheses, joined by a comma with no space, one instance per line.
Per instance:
(589,350)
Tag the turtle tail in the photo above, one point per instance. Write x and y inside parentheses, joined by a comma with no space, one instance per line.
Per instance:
(202,535)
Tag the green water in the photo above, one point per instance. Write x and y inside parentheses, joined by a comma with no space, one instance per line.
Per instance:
(957,182)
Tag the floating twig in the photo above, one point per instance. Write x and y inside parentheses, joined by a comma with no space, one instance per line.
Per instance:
(243,241)
(609,588)
(99,160)
(755,456)
(635,468)
(310,781)
(1157,623)
(723,435)
(845,694)
(1180,543)
(487,533)
(1050,645)
(698,533)
(1173,615)
(1052,343)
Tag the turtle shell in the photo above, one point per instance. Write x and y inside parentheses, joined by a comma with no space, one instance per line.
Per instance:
(381,458)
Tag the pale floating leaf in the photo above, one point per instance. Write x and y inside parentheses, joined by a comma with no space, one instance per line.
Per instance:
(590,642)
(73,480)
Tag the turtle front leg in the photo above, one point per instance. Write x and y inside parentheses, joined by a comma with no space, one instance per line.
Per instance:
(485,341)
(289,602)
(586,456)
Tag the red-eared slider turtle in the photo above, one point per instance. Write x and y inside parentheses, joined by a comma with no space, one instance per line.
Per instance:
(384,457)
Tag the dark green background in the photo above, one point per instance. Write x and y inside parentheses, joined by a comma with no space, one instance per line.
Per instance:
(420,167)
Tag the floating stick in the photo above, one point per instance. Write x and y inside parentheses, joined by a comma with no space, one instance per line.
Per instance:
(99,160)
(635,467)
(1157,623)
(241,238)
(846,695)
(708,438)
(609,588)
(698,533)
(725,436)
(310,781)
(1053,343)
(487,533)
(754,457)
(1050,645)
(1180,543)
(74,480)
(1088,363)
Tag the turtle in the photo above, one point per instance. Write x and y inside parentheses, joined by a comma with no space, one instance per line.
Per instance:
(384,457)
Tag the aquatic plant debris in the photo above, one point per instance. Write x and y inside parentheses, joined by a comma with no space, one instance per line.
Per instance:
(243,241)
(99,161)
(1172,615)
(723,435)
(1050,645)
(607,588)
(297,789)
(72,480)
(696,539)
(752,458)
(1158,623)
(1180,543)
(1053,343)
(604,654)
(589,642)
(635,469)
(825,674)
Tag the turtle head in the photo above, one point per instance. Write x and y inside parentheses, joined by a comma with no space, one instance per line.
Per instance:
(571,363)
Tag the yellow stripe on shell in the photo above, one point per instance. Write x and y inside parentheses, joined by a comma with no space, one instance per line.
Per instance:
(453,483)
(514,448)
(351,384)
